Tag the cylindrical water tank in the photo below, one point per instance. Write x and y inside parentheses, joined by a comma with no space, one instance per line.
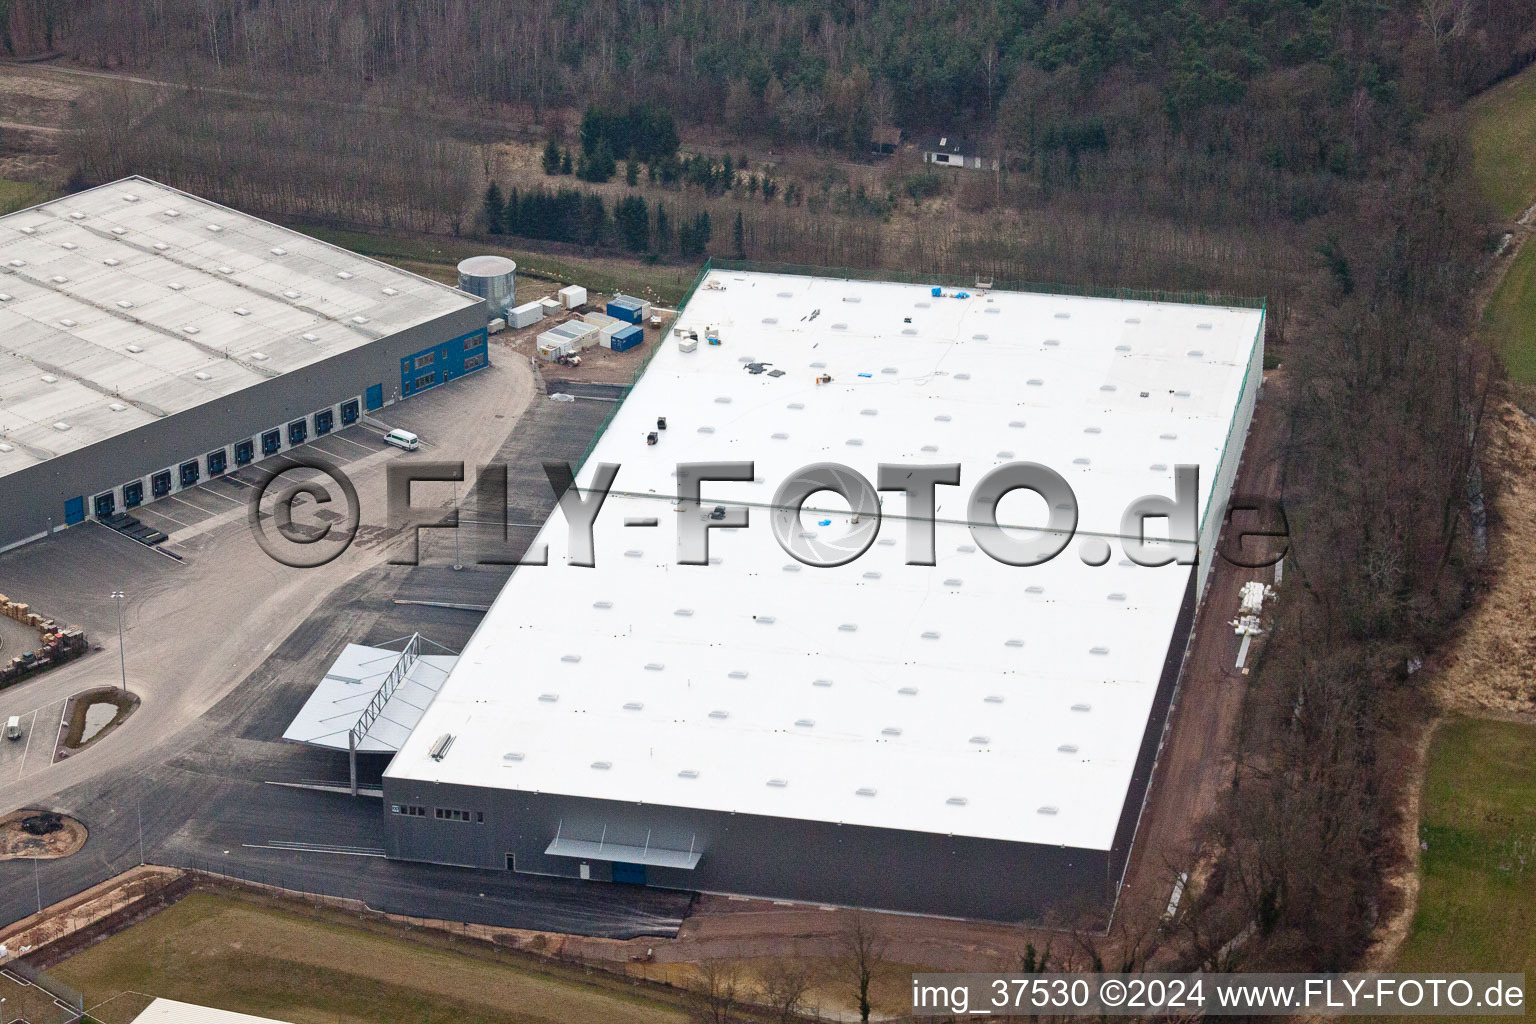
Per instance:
(494,279)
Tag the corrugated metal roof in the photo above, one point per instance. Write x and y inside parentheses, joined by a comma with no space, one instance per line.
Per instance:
(137,295)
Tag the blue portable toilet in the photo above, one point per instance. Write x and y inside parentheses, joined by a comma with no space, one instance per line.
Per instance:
(937,291)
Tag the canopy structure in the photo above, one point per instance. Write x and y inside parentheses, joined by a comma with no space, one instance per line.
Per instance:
(372,697)
(625,853)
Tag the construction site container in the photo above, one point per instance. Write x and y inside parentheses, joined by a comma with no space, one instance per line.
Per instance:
(553,350)
(526,315)
(626,338)
(573,296)
(575,334)
(628,308)
(551,307)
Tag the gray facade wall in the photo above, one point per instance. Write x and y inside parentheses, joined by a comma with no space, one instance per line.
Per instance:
(753,855)
(29,497)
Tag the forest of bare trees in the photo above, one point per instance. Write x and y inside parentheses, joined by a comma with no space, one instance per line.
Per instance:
(1307,152)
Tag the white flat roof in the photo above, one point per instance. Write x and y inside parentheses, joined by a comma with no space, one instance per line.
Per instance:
(169,1011)
(134,301)
(970,698)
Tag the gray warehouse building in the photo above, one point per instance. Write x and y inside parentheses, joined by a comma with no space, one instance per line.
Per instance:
(152,339)
(945,734)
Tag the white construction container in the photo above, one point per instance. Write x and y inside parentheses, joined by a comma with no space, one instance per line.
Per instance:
(550,351)
(572,296)
(496,326)
(551,306)
(526,315)
(687,344)
(601,319)
(574,334)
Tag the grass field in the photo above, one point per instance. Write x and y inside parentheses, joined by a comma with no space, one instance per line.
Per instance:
(251,955)
(18,195)
(1477,907)
(1504,143)
(1510,319)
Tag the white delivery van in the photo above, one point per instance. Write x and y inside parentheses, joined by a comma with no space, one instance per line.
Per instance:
(13,727)
(403,439)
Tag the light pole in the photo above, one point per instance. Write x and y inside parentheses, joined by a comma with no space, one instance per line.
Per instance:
(457,564)
(117,595)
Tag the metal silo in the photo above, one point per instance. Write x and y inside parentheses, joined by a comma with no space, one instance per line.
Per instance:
(494,279)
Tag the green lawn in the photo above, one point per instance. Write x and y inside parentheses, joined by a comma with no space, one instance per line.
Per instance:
(1510,319)
(1504,143)
(1477,906)
(253,956)
(18,195)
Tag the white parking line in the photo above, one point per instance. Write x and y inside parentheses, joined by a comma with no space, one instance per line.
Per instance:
(354,443)
(216,494)
(178,498)
(28,747)
(159,514)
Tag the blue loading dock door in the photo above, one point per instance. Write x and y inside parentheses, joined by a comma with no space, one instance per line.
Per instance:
(630,874)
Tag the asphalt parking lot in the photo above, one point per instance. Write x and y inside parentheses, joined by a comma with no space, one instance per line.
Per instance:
(213,786)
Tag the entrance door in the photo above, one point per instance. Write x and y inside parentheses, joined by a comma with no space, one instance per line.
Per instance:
(631,874)
(375,397)
(74,510)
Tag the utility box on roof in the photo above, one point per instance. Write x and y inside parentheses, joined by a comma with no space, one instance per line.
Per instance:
(573,296)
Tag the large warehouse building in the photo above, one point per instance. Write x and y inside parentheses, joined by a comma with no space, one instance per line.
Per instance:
(968,738)
(152,339)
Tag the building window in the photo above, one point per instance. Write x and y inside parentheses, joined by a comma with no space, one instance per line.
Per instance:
(941,158)
(425,360)
(453,814)
(426,380)
(473,342)
(473,362)
(409,810)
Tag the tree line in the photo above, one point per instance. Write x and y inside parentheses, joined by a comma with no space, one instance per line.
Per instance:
(571,215)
